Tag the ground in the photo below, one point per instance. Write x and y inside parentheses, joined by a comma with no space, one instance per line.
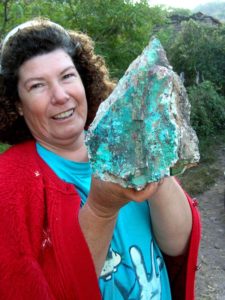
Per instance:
(210,283)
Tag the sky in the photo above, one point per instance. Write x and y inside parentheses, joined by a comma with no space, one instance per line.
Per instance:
(189,4)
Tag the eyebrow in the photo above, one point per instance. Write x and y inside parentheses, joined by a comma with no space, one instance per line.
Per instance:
(41,78)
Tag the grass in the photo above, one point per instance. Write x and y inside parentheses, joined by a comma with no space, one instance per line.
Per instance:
(199,179)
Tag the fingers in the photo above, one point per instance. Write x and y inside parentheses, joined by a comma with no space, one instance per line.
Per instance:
(115,193)
(146,193)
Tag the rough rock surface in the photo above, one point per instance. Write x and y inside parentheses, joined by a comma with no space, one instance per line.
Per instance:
(142,131)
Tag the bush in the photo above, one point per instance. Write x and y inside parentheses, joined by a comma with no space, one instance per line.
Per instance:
(3,147)
(208,108)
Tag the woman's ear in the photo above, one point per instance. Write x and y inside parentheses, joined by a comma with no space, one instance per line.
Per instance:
(19,108)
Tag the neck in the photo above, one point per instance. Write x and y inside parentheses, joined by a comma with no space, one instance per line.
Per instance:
(75,151)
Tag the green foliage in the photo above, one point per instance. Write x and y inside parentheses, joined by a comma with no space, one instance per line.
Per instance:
(198,51)
(3,147)
(208,109)
(120,29)
(13,13)
(184,52)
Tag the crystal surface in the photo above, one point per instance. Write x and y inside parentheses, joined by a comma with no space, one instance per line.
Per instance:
(142,132)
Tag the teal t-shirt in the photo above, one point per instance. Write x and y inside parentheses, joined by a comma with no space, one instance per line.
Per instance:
(134,268)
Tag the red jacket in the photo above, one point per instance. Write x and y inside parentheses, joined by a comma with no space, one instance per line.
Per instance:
(43,253)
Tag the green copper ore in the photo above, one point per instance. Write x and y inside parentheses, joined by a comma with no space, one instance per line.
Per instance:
(142,131)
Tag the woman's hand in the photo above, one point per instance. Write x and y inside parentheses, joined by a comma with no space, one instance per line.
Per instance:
(99,214)
(107,198)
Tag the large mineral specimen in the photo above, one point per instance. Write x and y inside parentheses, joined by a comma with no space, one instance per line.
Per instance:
(141,132)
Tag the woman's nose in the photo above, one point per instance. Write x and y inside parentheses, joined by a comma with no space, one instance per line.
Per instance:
(59,94)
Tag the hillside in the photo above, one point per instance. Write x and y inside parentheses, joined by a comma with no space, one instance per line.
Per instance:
(215,9)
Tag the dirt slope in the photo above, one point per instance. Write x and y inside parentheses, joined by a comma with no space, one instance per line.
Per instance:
(211,276)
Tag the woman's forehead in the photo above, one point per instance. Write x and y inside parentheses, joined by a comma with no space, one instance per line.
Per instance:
(53,61)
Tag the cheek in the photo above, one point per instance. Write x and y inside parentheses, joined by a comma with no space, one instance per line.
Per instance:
(34,111)
(32,105)
(81,97)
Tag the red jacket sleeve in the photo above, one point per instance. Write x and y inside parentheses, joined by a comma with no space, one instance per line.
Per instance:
(182,269)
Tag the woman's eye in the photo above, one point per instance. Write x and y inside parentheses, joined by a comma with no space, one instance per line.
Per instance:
(36,86)
(69,75)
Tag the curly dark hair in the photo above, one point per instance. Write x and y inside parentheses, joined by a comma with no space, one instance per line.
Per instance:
(45,37)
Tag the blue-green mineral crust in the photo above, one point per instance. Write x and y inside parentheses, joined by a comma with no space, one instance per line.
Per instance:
(142,131)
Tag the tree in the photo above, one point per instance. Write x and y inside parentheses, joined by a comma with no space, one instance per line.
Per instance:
(208,109)
(198,51)
(13,13)
(4,15)
(120,28)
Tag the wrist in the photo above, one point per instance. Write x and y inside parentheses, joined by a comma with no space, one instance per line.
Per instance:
(101,211)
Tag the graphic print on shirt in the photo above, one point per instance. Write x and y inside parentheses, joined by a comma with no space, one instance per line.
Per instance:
(110,265)
(145,286)
(150,288)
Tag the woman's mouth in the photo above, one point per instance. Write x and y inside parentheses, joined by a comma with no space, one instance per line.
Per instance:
(64,115)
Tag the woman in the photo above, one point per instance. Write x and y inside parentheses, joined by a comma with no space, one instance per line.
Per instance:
(62,234)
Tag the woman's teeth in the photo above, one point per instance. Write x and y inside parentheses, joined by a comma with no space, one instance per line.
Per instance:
(64,114)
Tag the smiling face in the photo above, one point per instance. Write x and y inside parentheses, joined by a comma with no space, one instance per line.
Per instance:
(52,99)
